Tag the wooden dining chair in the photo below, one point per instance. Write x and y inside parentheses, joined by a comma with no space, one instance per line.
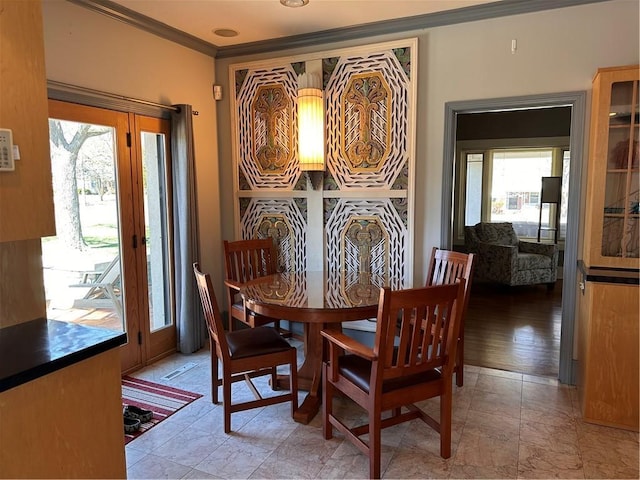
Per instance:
(244,354)
(247,260)
(399,370)
(445,267)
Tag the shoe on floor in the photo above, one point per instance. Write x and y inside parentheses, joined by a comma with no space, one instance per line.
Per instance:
(137,413)
(131,425)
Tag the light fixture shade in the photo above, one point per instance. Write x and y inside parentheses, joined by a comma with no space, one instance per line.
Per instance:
(310,124)
(294,3)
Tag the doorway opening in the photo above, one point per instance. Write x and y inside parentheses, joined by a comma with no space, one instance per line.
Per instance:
(572,102)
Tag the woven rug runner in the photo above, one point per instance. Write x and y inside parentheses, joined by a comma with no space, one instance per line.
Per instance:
(164,401)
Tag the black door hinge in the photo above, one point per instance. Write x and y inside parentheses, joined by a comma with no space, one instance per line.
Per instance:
(129,139)
(139,338)
(135,241)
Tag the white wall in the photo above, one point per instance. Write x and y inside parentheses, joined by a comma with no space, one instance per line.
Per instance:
(558,51)
(88,49)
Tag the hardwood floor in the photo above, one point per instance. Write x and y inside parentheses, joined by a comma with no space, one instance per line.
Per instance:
(514,328)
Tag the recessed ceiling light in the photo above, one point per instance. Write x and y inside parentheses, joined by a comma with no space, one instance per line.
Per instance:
(225,32)
(294,3)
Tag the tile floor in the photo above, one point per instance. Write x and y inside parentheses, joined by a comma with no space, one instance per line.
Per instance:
(506,425)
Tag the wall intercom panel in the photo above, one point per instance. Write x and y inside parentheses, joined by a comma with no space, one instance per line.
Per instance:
(7,163)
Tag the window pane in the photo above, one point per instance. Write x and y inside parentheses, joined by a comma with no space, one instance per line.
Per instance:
(516,180)
(155,208)
(81,264)
(564,203)
(473,201)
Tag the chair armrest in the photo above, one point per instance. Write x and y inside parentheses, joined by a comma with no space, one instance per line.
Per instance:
(496,251)
(338,343)
(548,249)
(233,284)
(347,343)
(496,260)
(232,288)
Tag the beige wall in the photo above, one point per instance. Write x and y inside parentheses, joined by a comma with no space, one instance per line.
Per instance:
(558,51)
(91,50)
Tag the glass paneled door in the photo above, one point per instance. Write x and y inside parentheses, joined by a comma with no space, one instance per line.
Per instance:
(153,175)
(109,264)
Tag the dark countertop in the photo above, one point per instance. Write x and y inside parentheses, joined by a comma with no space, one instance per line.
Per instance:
(630,276)
(33,349)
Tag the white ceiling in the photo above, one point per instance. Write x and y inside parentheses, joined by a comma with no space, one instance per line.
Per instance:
(259,20)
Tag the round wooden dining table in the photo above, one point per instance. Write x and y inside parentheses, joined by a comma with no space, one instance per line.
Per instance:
(319,300)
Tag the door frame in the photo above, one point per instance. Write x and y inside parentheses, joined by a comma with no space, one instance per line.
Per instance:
(157,343)
(143,346)
(577,102)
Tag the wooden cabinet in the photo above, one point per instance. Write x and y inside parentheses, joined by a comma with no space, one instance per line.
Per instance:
(67,424)
(26,194)
(608,352)
(612,215)
(608,369)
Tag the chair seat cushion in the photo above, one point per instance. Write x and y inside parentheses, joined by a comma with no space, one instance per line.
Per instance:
(255,341)
(358,371)
(533,261)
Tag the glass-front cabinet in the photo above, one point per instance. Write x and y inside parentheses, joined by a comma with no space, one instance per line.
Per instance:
(607,315)
(611,234)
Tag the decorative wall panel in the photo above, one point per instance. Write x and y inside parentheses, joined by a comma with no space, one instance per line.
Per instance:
(367,100)
(265,109)
(282,220)
(361,216)
(366,236)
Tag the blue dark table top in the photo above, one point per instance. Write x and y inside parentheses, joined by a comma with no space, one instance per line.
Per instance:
(33,349)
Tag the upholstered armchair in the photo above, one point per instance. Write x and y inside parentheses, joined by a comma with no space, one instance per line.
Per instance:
(503,258)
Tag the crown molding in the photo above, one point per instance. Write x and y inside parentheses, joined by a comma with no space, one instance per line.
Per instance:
(135,19)
(485,11)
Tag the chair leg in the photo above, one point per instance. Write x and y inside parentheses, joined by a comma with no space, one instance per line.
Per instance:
(446,403)
(226,406)
(327,403)
(283,333)
(274,378)
(460,362)
(214,373)
(375,427)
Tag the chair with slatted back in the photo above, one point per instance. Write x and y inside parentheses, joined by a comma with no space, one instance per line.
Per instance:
(399,370)
(445,267)
(244,354)
(247,260)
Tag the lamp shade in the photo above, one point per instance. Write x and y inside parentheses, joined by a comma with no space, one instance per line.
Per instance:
(551,190)
(294,3)
(310,126)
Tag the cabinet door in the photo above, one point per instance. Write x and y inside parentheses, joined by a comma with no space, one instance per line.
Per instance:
(608,355)
(613,216)
(620,223)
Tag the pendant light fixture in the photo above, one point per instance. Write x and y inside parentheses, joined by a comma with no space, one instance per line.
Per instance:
(294,3)
(311,126)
